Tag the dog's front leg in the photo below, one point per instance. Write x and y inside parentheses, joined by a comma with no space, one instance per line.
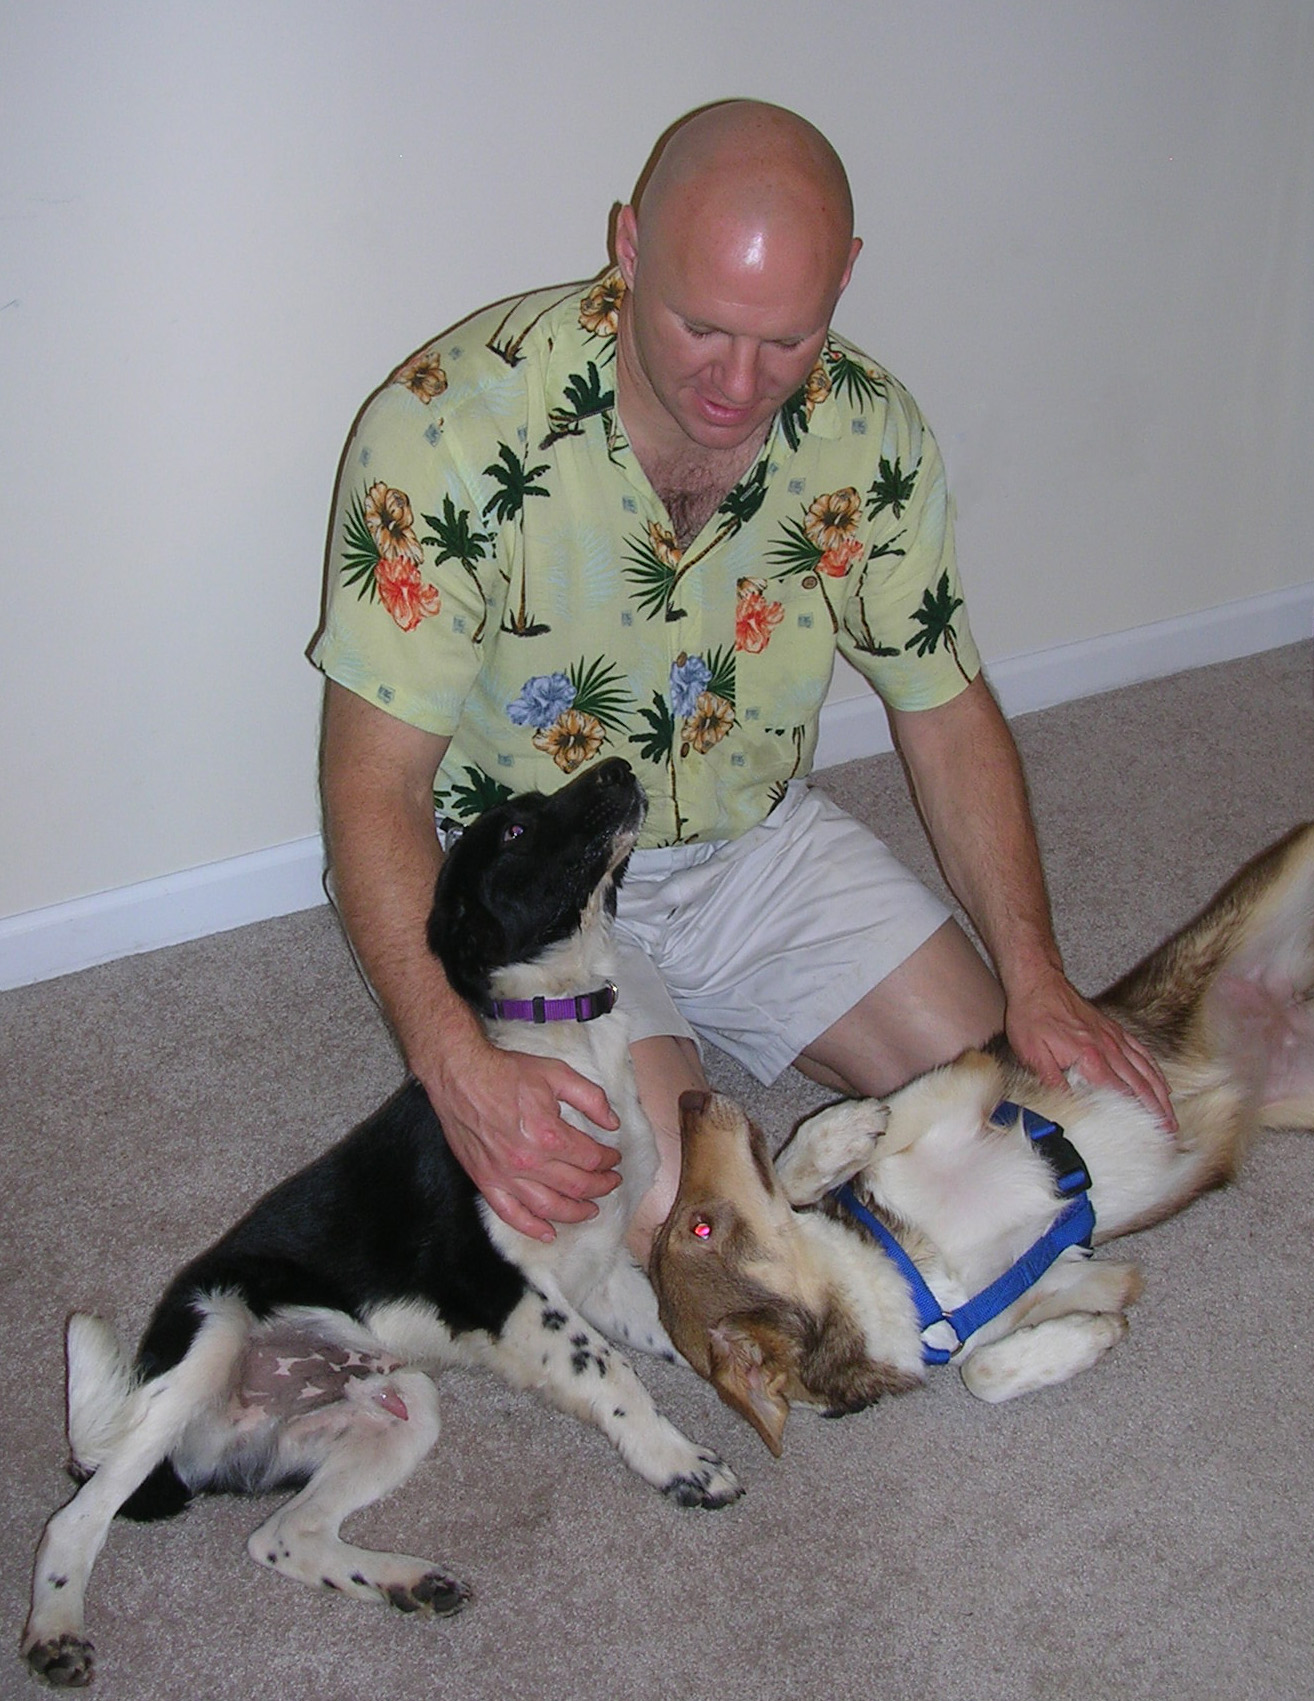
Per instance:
(548,1347)
(829,1148)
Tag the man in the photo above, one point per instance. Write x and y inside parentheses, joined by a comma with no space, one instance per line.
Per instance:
(639,518)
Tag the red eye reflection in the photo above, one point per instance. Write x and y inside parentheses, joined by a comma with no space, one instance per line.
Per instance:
(701,1227)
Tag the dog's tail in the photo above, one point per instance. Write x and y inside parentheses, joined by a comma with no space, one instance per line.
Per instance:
(103,1406)
(100,1390)
(1236,985)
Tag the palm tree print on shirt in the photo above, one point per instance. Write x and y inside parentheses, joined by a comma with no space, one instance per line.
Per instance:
(862,385)
(936,618)
(584,399)
(701,696)
(516,480)
(892,488)
(480,792)
(861,635)
(455,541)
(508,349)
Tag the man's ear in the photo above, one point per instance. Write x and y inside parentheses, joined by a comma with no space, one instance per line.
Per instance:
(855,248)
(627,243)
(830,1148)
(746,1382)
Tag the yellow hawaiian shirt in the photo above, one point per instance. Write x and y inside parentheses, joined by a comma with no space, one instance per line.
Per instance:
(501,572)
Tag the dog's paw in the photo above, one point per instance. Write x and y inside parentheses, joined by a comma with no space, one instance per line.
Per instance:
(65,1661)
(435,1593)
(710,1483)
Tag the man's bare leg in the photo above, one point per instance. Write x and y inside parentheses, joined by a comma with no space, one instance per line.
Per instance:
(664,1067)
(938,1002)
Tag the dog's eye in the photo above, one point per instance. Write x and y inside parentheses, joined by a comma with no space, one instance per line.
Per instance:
(512,830)
(700,1226)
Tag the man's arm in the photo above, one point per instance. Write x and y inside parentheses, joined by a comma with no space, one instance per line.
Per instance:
(967,781)
(500,1110)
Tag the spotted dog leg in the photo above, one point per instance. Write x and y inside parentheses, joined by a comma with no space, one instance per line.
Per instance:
(546,1346)
(361,1447)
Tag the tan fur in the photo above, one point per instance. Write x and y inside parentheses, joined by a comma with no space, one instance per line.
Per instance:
(772,1291)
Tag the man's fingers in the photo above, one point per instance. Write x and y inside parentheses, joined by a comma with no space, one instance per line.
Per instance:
(1079,1038)
(585,1096)
(514,1214)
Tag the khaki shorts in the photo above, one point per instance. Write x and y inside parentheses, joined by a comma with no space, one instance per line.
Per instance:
(761,943)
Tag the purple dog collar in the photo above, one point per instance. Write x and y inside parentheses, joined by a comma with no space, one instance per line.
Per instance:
(583,1007)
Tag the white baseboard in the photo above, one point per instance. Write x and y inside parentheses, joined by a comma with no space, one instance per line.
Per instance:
(211,899)
(857,726)
(63,938)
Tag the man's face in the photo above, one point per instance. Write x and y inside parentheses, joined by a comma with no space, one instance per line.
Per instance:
(722,333)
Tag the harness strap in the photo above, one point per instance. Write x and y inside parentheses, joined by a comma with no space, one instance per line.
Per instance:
(1074,1226)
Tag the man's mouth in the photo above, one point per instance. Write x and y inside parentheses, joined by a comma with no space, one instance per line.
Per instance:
(722,413)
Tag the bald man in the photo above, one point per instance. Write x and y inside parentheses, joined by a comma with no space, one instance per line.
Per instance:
(641,517)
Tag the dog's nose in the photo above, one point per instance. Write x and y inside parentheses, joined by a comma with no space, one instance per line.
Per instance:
(613,772)
(694,1101)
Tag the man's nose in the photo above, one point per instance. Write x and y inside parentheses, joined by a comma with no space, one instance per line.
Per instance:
(738,374)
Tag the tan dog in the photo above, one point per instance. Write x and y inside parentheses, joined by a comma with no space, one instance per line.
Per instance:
(776,1291)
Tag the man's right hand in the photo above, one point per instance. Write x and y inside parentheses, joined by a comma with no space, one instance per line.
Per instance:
(501,1114)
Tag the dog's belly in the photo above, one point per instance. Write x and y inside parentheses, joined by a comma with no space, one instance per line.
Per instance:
(290,1369)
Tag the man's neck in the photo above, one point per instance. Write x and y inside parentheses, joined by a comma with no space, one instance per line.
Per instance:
(690,481)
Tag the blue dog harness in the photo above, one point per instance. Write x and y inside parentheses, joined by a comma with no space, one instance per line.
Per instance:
(1072,1227)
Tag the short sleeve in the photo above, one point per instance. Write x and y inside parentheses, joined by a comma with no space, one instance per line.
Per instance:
(412,579)
(904,624)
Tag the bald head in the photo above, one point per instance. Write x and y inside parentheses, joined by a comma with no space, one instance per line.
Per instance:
(755,176)
(736,248)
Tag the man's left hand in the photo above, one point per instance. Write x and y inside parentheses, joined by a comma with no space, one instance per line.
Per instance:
(1053,1029)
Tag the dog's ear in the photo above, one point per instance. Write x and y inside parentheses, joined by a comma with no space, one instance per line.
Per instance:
(464,932)
(830,1148)
(745,1380)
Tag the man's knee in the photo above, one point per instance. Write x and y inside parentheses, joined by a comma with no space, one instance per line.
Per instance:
(936,1004)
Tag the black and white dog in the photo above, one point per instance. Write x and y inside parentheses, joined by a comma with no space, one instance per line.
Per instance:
(293,1352)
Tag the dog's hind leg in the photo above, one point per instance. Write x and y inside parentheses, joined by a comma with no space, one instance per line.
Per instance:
(361,1447)
(1039,1355)
(131,1441)
(546,1346)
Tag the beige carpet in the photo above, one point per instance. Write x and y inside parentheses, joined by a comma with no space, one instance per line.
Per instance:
(1141,1532)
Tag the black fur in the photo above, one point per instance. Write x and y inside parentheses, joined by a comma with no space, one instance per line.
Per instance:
(489,907)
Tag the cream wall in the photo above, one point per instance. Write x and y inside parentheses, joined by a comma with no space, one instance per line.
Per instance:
(1090,252)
